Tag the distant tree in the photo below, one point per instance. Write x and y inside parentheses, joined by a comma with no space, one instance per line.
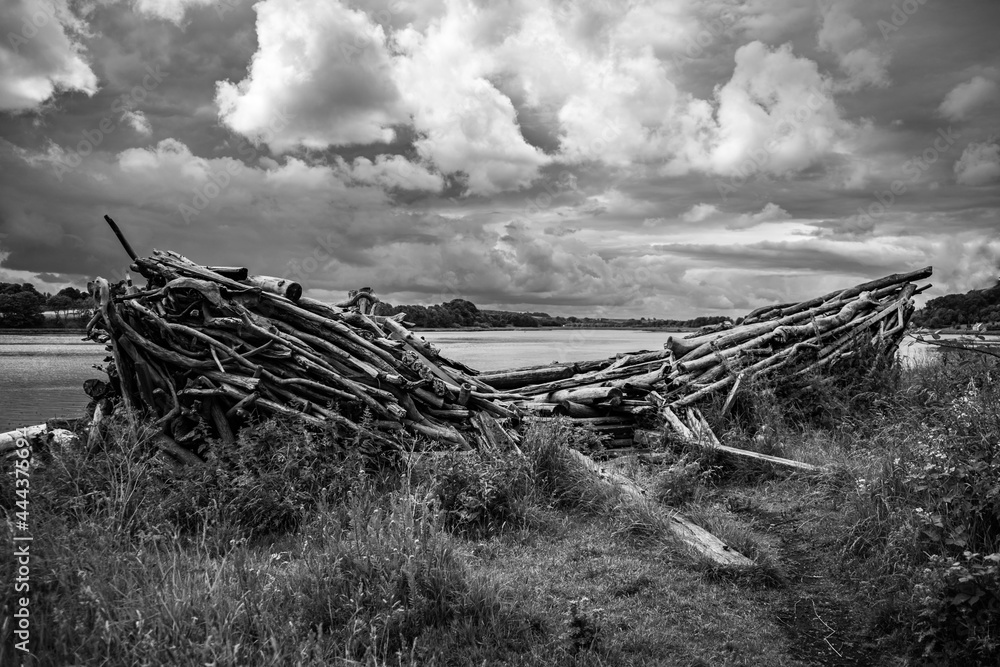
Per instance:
(70,304)
(20,306)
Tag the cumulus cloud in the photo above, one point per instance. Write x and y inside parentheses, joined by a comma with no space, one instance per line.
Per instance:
(40,53)
(596,83)
(966,97)
(844,35)
(320,78)
(770,213)
(979,164)
(776,115)
(465,123)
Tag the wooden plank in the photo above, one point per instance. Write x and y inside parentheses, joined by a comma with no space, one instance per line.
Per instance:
(701,434)
(699,539)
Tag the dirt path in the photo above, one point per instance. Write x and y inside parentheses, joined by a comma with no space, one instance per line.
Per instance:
(822,615)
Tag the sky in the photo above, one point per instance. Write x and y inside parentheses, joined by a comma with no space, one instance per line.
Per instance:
(667,159)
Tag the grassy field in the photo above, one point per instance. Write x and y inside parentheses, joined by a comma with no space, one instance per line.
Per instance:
(292,549)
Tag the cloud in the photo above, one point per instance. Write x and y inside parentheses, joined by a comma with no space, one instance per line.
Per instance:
(171,10)
(776,115)
(40,54)
(844,35)
(979,164)
(770,213)
(137,121)
(700,213)
(394,171)
(966,97)
(320,78)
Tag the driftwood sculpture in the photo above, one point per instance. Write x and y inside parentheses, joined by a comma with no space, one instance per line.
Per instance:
(203,348)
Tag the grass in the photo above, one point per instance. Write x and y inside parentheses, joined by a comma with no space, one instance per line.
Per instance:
(292,549)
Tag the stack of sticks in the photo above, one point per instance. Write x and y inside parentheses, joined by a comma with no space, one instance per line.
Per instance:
(614,396)
(201,348)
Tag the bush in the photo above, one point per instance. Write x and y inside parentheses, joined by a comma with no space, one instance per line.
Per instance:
(481,494)
(959,609)
(928,518)
(270,482)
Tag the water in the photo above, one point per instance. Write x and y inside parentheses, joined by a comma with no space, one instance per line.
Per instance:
(41,376)
(499,350)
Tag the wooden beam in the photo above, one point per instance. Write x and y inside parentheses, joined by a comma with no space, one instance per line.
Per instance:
(701,434)
(696,537)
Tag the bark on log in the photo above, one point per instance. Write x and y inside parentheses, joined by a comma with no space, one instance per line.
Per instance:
(700,540)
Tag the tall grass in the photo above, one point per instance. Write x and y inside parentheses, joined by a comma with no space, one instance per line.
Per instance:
(283,553)
(914,456)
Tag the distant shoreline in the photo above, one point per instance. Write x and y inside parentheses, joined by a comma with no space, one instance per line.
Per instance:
(41,331)
(648,329)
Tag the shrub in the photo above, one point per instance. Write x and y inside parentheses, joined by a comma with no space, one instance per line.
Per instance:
(959,609)
(269,482)
(481,494)
(928,517)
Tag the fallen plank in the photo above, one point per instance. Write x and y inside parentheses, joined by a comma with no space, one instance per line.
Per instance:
(699,539)
(701,434)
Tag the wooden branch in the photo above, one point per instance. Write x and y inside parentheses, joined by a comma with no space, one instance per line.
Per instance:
(700,540)
(701,434)
(121,238)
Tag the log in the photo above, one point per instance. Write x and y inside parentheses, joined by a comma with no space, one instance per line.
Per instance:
(289,289)
(586,395)
(523,378)
(701,434)
(19,437)
(700,540)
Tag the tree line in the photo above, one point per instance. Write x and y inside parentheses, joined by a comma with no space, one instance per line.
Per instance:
(954,311)
(459,313)
(22,306)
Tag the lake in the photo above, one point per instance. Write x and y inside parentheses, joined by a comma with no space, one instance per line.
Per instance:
(42,375)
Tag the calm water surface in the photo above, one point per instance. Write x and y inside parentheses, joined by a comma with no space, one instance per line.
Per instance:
(41,376)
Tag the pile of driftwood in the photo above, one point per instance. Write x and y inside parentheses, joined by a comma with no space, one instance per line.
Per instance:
(201,348)
(615,396)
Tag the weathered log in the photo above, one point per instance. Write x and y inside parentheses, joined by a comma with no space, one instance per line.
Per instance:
(700,433)
(586,395)
(700,540)
(522,378)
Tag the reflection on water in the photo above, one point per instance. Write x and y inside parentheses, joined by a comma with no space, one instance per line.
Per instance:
(41,376)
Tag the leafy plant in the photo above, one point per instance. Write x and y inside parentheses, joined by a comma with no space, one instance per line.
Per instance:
(481,494)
